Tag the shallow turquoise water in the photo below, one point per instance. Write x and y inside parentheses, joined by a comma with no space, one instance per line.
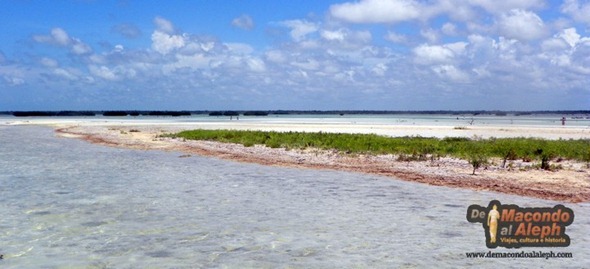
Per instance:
(69,204)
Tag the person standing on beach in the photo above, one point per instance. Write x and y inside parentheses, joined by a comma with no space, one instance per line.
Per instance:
(493,217)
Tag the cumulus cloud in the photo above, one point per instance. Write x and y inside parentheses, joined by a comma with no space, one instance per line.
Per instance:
(430,35)
(127,30)
(300,28)
(451,72)
(333,35)
(494,6)
(164,39)
(345,38)
(579,12)
(60,37)
(256,64)
(376,11)
(331,62)
(571,36)
(116,73)
(165,43)
(244,22)
(79,47)
(57,36)
(568,49)
(449,29)
(437,54)
(522,25)
(63,73)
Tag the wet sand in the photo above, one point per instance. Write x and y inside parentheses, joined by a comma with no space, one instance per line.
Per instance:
(570,184)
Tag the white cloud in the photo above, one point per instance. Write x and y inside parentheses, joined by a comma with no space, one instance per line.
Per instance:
(103,72)
(116,73)
(458,10)
(308,64)
(427,54)
(451,72)
(333,35)
(165,43)
(430,35)
(300,28)
(256,64)
(395,38)
(239,48)
(579,12)
(554,44)
(164,39)
(495,6)
(380,69)
(13,81)
(568,49)
(346,39)
(329,62)
(571,36)
(65,74)
(207,46)
(79,48)
(48,62)
(376,11)
(195,61)
(164,25)
(244,22)
(118,48)
(60,37)
(57,36)
(449,29)
(522,25)
(276,56)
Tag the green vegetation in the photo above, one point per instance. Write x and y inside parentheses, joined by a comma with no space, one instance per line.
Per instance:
(476,151)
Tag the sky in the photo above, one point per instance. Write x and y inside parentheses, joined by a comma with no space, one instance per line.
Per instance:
(304,55)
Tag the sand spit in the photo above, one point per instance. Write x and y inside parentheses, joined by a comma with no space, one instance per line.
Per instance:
(570,184)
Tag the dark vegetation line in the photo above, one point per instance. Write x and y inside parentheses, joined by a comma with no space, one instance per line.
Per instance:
(476,152)
(121,113)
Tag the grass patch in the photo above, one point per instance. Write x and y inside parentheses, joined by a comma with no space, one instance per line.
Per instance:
(409,148)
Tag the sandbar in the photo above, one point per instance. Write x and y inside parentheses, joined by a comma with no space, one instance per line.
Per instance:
(570,184)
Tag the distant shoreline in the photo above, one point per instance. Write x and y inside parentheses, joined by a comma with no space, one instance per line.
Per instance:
(177,113)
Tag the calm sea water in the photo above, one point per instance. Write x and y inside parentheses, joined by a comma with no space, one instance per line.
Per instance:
(65,203)
(544,120)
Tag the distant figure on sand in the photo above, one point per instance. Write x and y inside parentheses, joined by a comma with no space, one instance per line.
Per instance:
(493,217)
(562,120)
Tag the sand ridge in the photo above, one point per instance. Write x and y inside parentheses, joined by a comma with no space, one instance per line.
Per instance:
(570,184)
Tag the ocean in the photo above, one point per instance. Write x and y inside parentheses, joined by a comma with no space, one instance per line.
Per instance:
(66,203)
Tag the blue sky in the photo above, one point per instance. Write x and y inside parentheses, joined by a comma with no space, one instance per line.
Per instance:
(314,54)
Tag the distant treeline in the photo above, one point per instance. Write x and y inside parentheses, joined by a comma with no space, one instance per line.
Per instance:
(114,113)
(51,113)
(123,113)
